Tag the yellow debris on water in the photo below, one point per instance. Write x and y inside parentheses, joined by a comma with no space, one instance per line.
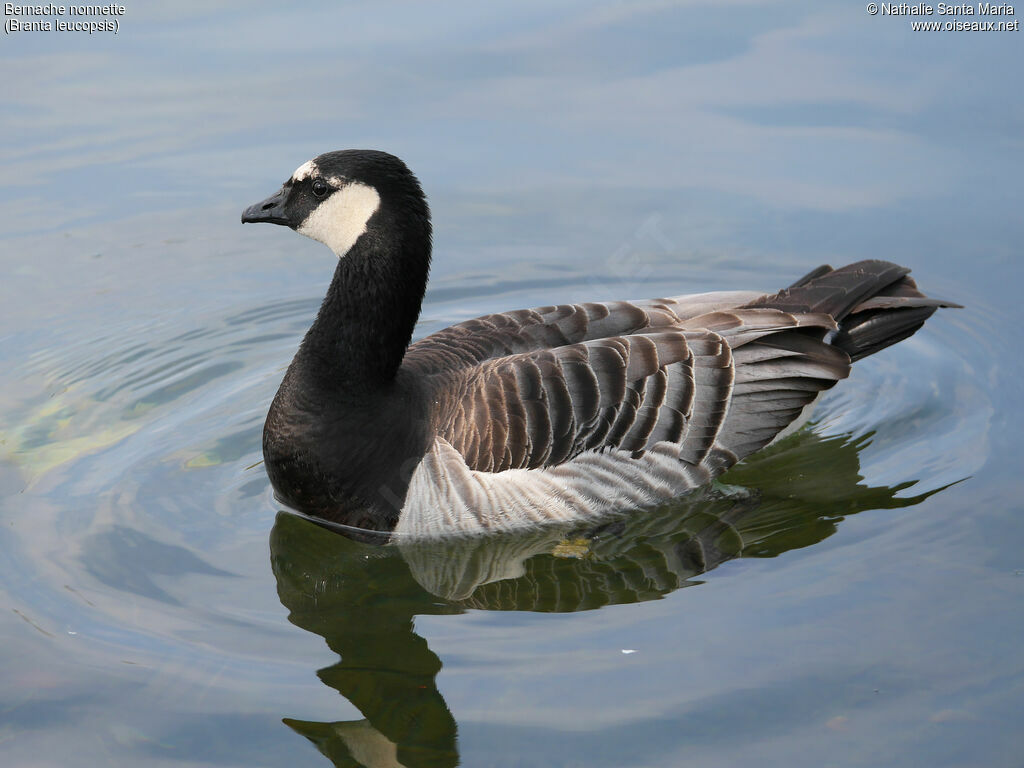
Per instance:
(572,548)
(60,430)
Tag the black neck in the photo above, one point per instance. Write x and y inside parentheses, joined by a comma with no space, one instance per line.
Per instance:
(367,318)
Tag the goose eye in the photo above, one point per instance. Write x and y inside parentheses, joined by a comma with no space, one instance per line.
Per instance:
(319,187)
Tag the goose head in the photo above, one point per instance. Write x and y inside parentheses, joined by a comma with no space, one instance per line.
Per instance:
(369,209)
(338,197)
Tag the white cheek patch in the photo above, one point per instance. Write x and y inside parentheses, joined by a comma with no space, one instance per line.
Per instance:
(340,219)
(304,171)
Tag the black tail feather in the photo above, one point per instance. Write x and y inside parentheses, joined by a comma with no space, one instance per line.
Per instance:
(817,272)
(868,332)
(875,304)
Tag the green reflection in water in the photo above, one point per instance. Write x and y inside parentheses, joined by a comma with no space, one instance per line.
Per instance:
(362,598)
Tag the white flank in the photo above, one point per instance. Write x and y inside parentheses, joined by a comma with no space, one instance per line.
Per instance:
(340,219)
(445,496)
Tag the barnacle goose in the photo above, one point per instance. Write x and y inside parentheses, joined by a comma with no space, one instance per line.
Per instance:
(547,414)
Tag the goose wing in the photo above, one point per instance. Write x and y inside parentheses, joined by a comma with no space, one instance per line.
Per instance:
(726,379)
(716,372)
(502,334)
(866,293)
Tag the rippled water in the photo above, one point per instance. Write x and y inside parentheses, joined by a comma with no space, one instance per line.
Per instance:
(857,589)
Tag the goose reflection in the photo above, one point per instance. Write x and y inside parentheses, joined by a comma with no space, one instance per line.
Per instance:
(362,598)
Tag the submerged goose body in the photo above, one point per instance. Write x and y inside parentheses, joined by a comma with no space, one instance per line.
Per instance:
(548,414)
